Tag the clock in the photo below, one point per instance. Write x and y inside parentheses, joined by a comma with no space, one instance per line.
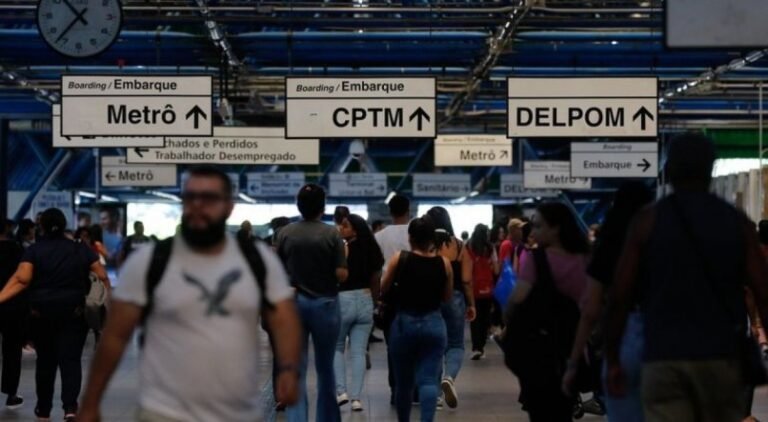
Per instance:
(79,28)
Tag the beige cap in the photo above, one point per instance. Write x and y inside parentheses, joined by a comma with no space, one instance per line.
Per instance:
(515,223)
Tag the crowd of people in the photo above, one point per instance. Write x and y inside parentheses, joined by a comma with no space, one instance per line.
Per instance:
(658,312)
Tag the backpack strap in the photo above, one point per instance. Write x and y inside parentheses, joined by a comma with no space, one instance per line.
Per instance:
(157,265)
(253,257)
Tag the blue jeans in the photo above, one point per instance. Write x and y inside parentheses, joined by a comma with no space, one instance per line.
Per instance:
(356,323)
(417,346)
(455,316)
(630,407)
(320,319)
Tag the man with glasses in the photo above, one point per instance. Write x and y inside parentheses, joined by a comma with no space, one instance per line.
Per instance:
(200,355)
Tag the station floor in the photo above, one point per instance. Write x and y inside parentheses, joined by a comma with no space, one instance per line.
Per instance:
(487,393)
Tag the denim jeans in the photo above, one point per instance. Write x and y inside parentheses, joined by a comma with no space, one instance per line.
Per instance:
(320,319)
(454,314)
(630,407)
(356,323)
(417,346)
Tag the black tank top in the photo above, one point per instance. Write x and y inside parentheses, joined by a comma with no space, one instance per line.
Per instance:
(421,284)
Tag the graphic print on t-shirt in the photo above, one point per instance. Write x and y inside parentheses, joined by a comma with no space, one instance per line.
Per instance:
(217,298)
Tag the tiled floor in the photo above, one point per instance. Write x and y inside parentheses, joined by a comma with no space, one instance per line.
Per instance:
(487,393)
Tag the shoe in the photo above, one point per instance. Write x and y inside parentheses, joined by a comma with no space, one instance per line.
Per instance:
(375,339)
(342,399)
(440,403)
(594,407)
(14,402)
(368,365)
(357,406)
(449,391)
(41,417)
(477,355)
(70,417)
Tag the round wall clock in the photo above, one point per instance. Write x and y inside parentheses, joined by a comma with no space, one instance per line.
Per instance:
(79,28)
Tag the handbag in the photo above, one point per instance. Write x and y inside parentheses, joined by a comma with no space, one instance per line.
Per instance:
(506,284)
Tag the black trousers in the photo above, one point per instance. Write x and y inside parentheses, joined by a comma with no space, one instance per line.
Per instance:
(480,326)
(544,400)
(12,323)
(59,338)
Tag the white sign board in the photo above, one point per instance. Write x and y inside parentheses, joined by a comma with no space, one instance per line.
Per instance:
(98,141)
(233,145)
(615,159)
(473,150)
(432,185)
(116,172)
(358,184)
(582,107)
(512,186)
(60,200)
(274,184)
(122,105)
(716,23)
(552,175)
(360,108)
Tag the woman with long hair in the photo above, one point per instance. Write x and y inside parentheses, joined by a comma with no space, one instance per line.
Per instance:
(485,268)
(418,281)
(630,198)
(550,287)
(461,308)
(364,261)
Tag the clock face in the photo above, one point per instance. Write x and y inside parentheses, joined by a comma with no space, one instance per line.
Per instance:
(79,28)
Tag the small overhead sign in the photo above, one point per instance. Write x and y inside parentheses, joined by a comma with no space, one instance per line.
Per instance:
(233,145)
(582,107)
(473,150)
(274,184)
(434,185)
(360,107)
(358,184)
(513,186)
(60,141)
(615,159)
(122,105)
(553,175)
(116,172)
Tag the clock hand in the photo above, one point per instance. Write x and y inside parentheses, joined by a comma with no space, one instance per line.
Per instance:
(77,18)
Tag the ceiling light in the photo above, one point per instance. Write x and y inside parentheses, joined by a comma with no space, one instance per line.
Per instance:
(165,195)
(246,198)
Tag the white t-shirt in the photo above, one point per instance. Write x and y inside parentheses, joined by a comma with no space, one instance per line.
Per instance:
(393,239)
(200,360)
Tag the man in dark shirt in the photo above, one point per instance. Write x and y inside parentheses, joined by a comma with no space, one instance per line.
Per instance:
(133,242)
(12,316)
(691,295)
(313,254)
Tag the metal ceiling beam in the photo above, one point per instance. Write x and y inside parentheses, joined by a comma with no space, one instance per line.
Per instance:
(217,34)
(496,46)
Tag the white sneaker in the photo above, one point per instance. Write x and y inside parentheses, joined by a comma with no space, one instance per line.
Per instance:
(342,399)
(357,406)
(440,403)
(449,391)
(477,355)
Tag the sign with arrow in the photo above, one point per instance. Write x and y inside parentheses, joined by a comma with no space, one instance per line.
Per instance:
(98,141)
(512,186)
(233,145)
(357,185)
(274,184)
(615,159)
(122,105)
(552,175)
(116,172)
(435,185)
(360,108)
(582,107)
(473,150)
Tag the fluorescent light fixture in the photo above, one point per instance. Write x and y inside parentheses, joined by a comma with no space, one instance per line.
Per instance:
(246,198)
(474,193)
(390,196)
(164,195)
(87,194)
(460,200)
(109,198)
(614,43)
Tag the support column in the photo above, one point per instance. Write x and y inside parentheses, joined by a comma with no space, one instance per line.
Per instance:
(4,170)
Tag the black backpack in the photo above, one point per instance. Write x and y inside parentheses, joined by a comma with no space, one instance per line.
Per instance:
(162,254)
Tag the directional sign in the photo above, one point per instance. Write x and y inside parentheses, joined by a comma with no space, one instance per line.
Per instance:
(358,184)
(552,175)
(512,186)
(360,108)
(274,184)
(611,159)
(123,105)
(233,145)
(98,141)
(473,150)
(430,185)
(582,107)
(116,172)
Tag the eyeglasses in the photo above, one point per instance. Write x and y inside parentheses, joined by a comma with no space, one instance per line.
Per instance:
(206,198)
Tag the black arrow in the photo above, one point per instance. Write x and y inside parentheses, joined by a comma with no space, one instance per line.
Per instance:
(645,164)
(420,115)
(140,151)
(109,176)
(68,138)
(197,112)
(643,114)
(504,154)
